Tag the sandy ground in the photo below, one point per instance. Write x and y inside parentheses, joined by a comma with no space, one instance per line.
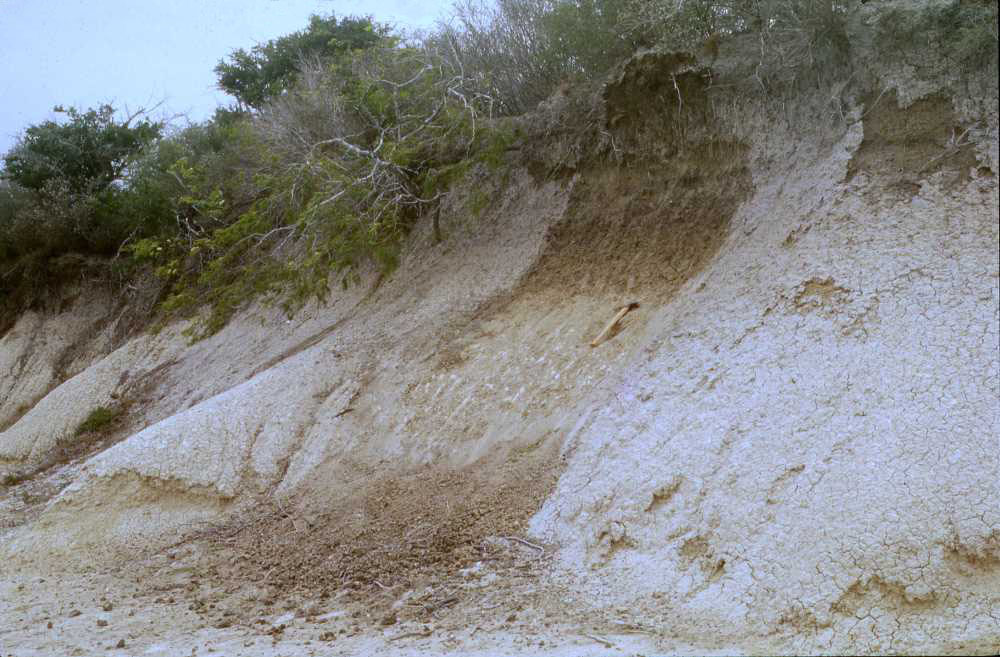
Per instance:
(107,613)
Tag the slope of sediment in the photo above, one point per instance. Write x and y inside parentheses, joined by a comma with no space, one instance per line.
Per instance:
(788,444)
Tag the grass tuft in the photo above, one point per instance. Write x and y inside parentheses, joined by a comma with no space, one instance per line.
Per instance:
(98,420)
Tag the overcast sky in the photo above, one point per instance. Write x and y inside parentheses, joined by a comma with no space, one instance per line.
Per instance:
(139,52)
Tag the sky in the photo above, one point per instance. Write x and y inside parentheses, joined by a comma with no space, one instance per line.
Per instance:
(136,53)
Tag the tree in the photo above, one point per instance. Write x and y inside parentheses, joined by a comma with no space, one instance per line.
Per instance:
(87,153)
(270,69)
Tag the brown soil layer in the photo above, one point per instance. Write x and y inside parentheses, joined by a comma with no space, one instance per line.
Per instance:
(902,146)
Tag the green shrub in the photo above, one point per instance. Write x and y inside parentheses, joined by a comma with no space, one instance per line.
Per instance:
(98,420)
(13,479)
(963,34)
(86,153)
(331,174)
(65,199)
(268,70)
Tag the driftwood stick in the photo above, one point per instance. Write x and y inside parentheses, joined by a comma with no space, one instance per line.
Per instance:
(410,635)
(523,542)
(624,310)
(603,642)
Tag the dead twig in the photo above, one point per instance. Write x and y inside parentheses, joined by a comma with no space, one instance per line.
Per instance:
(632,628)
(524,542)
(603,642)
(955,144)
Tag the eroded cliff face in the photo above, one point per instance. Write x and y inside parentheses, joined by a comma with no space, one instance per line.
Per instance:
(789,445)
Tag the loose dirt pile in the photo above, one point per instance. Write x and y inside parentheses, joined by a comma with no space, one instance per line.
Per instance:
(388,532)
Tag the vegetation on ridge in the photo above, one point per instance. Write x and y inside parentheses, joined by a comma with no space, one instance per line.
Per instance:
(98,419)
(345,133)
(268,70)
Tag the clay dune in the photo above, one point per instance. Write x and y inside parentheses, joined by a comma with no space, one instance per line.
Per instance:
(790,443)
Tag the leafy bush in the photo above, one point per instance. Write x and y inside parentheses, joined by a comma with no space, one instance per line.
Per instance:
(268,70)
(335,172)
(14,202)
(65,198)
(87,153)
